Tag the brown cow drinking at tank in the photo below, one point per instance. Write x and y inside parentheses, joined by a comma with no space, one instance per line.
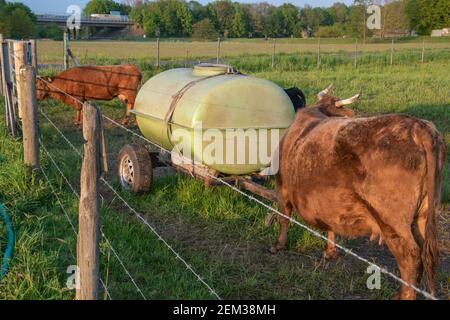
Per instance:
(92,83)
(378,176)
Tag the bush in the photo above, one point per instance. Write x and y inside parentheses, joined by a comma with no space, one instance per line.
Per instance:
(50,31)
(204,30)
(334,31)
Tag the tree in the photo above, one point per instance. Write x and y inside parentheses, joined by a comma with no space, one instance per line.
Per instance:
(225,13)
(338,12)
(151,19)
(17,25)
(50,31)
(185,17)
(198,11)
(104,7)
(289,19)
(275,22)
(309,19)
(16,20)
(239,24)
(393,18)
(211,14)
(356,24)
(165,17)
(136,15)
(204,30)
(426,15)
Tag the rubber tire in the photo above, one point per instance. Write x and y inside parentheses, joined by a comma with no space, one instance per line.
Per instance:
(142,165)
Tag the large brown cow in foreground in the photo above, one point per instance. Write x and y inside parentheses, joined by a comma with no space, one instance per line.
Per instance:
(92,83)
(377,176)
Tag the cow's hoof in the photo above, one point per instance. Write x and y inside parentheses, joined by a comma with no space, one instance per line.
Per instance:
(404,296)
(330,254)
(275,248)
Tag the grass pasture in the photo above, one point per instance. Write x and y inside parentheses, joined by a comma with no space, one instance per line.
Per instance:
(92,51)
(220,233)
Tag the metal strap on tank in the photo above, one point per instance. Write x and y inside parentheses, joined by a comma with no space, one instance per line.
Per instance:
(177,96)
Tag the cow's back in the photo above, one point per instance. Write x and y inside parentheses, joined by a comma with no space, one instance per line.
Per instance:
(352,145)
(337,162)
(99,82)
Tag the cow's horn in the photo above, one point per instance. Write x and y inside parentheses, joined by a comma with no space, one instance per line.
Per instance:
(325,91)
(344,102)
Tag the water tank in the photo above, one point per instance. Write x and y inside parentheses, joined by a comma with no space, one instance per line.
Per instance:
(218,112)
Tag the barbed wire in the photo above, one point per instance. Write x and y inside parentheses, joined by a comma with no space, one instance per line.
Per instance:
(140,217)
(65,211)
(252,198)
(314,232)
(101,229)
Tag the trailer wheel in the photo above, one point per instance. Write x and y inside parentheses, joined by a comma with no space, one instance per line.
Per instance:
(135,168)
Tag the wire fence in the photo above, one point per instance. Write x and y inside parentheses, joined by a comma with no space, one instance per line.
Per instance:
(141,217)
(265,55)
(138,215)
(250,197)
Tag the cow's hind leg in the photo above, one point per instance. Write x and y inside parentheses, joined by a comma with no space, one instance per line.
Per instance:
(126,118)
(407,254)
(330,251)
(285,209)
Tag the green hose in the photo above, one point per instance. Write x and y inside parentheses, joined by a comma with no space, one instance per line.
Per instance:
(10,244)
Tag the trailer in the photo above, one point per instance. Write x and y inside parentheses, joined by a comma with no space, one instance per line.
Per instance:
(182,110)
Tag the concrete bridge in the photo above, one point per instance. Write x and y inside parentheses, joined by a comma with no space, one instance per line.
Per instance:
(111,22)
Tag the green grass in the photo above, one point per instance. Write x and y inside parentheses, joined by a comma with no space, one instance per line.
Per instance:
(176,49)
(220,233)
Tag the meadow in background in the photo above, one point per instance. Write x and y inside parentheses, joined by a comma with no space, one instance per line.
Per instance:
(218,231)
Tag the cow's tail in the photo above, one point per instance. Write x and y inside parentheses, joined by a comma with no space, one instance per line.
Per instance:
(430,252)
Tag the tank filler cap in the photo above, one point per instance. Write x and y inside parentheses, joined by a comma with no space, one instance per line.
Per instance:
(211,69)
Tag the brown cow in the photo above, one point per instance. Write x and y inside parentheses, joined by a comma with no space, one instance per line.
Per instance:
(377,176)
(92,83)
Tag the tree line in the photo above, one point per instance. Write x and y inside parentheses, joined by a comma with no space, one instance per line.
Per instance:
(228,19)
(180,18)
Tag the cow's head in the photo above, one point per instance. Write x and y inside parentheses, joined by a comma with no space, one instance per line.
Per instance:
(335,107)
(42,89)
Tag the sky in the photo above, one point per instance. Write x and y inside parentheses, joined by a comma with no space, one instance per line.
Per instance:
(59,6)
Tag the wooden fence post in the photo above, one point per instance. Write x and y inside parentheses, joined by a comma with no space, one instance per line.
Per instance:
(88,228)
(66,47)
(157,52)
(20,51)
(273,52)
(1,66)
(33,49)
(218,50)
(27,99)
(356,53)
(423,51)
(318,53)
(8,89)
(392,52)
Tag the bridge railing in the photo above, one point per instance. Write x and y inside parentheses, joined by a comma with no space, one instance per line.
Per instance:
(62,18)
